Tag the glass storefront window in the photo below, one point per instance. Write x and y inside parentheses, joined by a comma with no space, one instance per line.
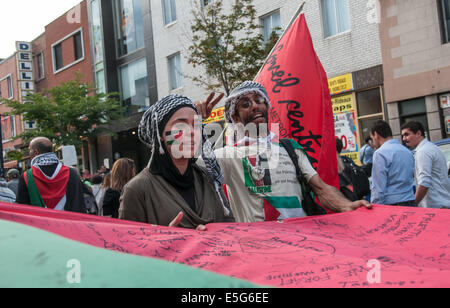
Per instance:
(129,26)
(366,125)
(97,34)
(369,102)
(134,86)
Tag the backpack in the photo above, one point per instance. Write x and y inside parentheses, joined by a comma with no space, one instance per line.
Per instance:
(309,204)
(357,177)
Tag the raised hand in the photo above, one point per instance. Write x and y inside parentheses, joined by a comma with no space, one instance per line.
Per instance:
(206,107)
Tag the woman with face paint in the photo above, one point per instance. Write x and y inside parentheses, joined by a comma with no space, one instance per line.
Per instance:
(173,190)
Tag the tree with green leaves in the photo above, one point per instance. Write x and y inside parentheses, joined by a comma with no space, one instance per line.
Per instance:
(68,113)
(227,44)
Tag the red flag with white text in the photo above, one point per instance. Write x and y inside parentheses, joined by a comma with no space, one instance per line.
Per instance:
(300,100)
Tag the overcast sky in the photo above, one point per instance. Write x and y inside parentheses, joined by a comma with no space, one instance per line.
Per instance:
(24,20)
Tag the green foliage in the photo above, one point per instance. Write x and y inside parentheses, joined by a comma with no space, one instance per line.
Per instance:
(14,155)
(68,113)
(229,46)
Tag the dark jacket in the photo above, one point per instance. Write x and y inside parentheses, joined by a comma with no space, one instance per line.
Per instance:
(149,198)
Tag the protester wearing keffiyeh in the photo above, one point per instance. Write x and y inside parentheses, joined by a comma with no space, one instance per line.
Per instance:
(192,185)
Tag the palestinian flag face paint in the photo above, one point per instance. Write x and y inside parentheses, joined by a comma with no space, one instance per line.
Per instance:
(174,137)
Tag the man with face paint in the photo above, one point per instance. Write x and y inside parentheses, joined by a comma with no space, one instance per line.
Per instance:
(258,172)
(173,190)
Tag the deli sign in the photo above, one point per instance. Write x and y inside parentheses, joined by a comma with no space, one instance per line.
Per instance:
(25,73)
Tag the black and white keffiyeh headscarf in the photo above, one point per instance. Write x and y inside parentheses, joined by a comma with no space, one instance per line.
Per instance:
(243,89)
(47,159)
(152,125)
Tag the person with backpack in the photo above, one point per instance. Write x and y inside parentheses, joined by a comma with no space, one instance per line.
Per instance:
(267,179)
(392,170)
(48,183)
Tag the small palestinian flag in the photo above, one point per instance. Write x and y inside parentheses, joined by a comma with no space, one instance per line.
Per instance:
(173,137)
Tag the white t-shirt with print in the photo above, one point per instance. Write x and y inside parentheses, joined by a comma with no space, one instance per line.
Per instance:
(261,175)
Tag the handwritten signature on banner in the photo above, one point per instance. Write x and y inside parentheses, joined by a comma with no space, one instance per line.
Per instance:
(412,246)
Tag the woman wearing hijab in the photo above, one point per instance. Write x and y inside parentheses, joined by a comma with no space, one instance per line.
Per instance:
(173,190)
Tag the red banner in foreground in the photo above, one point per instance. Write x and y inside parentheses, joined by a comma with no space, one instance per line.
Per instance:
(382,247)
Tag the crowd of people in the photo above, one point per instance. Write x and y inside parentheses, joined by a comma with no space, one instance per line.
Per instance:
(254,177)
(412,173)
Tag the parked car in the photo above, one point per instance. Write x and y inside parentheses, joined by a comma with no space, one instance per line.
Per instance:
(444,146)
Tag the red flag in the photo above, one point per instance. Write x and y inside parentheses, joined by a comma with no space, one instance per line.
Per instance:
(387,246)
(298,90)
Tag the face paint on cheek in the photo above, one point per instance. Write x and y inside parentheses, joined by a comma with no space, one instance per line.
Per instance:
(174,137)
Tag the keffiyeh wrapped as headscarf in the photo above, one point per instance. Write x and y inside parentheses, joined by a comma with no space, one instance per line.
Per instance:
(153,123)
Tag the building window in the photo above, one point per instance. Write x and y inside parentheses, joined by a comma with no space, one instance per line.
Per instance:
(10,87)
(71,47)
(13,126)
(170,11)
(369,107)
(57,57)
(175,72)
(206,2)
(40,66)
(130,26)
(78,46)
(97,43)
(336,16)
(134,86)
(271,23)
(414,110)
(444,9)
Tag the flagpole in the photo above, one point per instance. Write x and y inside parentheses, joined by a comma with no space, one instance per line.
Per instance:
(297,13)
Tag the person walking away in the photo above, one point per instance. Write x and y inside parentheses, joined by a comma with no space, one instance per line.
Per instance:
(393,169)
(12,177)
(122,172)
(433,185)
(6,194)
(101,194)
(48,183)
(366,156)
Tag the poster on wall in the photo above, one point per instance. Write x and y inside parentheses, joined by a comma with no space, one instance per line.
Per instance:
(345,127)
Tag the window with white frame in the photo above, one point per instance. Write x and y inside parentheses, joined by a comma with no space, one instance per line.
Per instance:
(175,72)
(271,23)
(169,11)
(60,47)
(336,16)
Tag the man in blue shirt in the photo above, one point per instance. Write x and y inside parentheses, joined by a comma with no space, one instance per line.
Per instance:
(366,156)
(433,186)
(393,169)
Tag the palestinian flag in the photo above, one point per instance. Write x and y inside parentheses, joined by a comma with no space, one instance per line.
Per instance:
(174,137)
(48,191)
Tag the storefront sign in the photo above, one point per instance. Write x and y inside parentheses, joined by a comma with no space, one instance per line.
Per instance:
(344,125)
(445,101)
(217,115)
(341,84)
(25,74)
